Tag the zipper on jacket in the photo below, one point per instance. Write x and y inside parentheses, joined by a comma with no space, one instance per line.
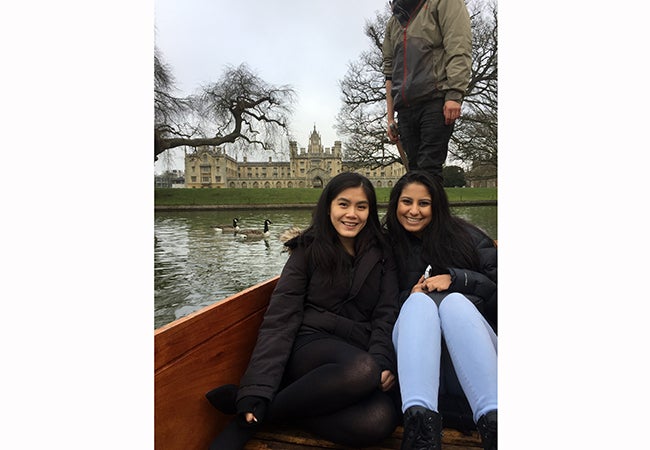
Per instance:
(404,65)
(417,9)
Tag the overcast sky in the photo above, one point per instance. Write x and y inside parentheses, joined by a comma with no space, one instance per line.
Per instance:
(306,44)
(78,196)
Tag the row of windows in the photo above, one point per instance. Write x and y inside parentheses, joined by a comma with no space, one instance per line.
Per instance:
(264,175)
(206,173)
(244,171)
(205,170)
(267,184)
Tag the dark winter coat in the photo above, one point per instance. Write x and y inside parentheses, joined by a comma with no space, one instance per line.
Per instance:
(360,310)
(480,286)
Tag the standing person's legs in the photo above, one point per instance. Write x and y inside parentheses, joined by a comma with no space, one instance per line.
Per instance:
(434,138)
(424,136)
(409,134)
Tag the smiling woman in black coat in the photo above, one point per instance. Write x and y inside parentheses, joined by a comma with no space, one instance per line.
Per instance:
(445,334)
(324,358)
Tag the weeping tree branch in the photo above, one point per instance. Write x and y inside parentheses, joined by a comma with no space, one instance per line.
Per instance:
(240,106)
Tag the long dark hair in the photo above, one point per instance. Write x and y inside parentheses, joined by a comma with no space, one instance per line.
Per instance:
(446,240)
(324,248)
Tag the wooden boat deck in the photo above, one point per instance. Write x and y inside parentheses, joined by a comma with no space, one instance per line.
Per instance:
(291,439)
(212,347)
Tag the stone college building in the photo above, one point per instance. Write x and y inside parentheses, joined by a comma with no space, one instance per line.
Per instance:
(210,167)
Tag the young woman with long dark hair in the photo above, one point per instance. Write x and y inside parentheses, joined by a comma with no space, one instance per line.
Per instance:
(324,359)
(445,335)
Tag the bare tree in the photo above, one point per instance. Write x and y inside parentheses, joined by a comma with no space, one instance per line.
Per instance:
(239,108)
(169,110)
(475,134)
(362,118)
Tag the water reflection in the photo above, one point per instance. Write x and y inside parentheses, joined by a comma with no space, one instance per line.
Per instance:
(194,265)
(485,217)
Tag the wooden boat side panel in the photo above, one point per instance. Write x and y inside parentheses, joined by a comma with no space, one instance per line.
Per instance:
(177,338)
(197,353)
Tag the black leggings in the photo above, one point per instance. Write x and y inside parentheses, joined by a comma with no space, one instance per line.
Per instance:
(333,389)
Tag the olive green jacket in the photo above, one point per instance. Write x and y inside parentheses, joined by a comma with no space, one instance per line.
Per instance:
(431,55)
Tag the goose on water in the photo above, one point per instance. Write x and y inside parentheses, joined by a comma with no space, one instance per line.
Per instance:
(234,228)
(252,234)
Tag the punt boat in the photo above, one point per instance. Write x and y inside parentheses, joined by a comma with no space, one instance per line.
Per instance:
(211,347)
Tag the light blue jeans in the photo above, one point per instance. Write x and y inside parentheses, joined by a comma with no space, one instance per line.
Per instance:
(472,345)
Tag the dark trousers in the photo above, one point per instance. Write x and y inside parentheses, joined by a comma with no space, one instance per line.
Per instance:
(424,136)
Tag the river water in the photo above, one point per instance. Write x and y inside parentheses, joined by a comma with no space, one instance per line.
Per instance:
(195,265)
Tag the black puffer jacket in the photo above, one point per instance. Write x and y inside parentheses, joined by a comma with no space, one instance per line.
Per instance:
(479,286)
(361,310)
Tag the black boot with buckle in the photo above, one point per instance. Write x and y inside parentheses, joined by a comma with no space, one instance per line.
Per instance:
(422,429)
(487,428)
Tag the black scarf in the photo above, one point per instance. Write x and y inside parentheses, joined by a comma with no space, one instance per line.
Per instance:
(403,9)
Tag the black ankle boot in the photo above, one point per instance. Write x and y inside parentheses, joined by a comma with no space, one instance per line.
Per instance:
(422,429)
(487,428)
(224,398)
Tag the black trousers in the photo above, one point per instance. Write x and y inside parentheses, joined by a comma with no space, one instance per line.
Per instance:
(424,135)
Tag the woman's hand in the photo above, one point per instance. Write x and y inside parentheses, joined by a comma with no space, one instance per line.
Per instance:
(252,409)
(435,283)
(387,380)
(419,286)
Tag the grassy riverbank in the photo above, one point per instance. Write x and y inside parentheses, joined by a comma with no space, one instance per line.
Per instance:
(173,197)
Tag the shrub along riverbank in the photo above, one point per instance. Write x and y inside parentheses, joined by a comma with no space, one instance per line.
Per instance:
(296,196)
